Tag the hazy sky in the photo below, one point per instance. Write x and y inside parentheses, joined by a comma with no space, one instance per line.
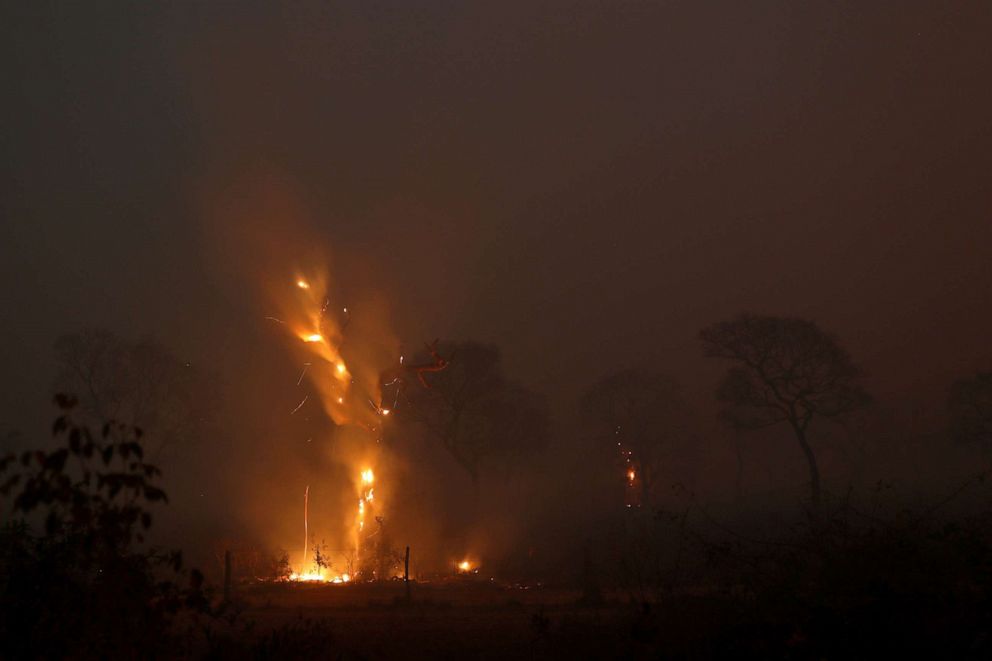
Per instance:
(584,183)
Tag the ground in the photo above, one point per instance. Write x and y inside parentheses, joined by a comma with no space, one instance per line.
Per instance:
(448,619)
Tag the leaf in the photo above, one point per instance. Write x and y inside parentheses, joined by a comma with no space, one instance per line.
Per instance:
(64,401)
(56,461)
(9,484)
(154,493)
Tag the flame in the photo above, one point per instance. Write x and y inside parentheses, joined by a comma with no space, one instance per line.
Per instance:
(319,577)
(319,332)
(467,566)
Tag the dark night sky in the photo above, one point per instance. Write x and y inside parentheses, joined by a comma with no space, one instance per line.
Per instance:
(586,184)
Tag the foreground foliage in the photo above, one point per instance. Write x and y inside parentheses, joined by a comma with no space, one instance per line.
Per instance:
(85,585)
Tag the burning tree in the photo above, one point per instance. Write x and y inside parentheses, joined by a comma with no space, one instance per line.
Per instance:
(785,370)
(641,414)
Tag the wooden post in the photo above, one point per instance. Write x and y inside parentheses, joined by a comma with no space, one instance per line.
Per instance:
(227,576)
(406,573)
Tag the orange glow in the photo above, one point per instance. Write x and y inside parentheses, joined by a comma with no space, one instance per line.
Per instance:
(467,566)
(349,393)
(631,475)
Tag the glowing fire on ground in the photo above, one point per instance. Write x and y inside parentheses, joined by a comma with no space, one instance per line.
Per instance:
(467,566)
(319,574)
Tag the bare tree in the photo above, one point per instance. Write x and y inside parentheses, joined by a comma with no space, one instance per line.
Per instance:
(479,416)
(785,370)
(640,415)
(141,384)
(970,410)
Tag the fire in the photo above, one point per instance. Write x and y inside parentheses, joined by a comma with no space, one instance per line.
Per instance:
(467,566)
(309,315)
(319,577)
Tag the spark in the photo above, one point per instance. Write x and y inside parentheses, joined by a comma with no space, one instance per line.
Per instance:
(340,400)
(278,321)
(313,337)
(367,476)
(341,368)
(385,411)
(303,373)
(303,284)
(631,475)
(300,405)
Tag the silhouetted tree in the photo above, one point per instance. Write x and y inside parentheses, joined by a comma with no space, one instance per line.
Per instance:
(786,370)
(141,384)
(478,415)
(640,415)
(84,588)
(970,410)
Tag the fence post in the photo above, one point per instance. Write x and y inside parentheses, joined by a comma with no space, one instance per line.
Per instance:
(406,573)
(227,576)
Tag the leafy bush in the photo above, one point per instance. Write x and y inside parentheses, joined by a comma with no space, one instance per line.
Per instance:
(86,586)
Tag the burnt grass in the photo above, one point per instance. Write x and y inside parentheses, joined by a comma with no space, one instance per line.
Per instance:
(447,619)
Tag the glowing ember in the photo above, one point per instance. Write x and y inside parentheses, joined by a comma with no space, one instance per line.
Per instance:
(631,475)
(308,576)
(467,567)
(341,368)
(303,284)
(313,337)
(367,476)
